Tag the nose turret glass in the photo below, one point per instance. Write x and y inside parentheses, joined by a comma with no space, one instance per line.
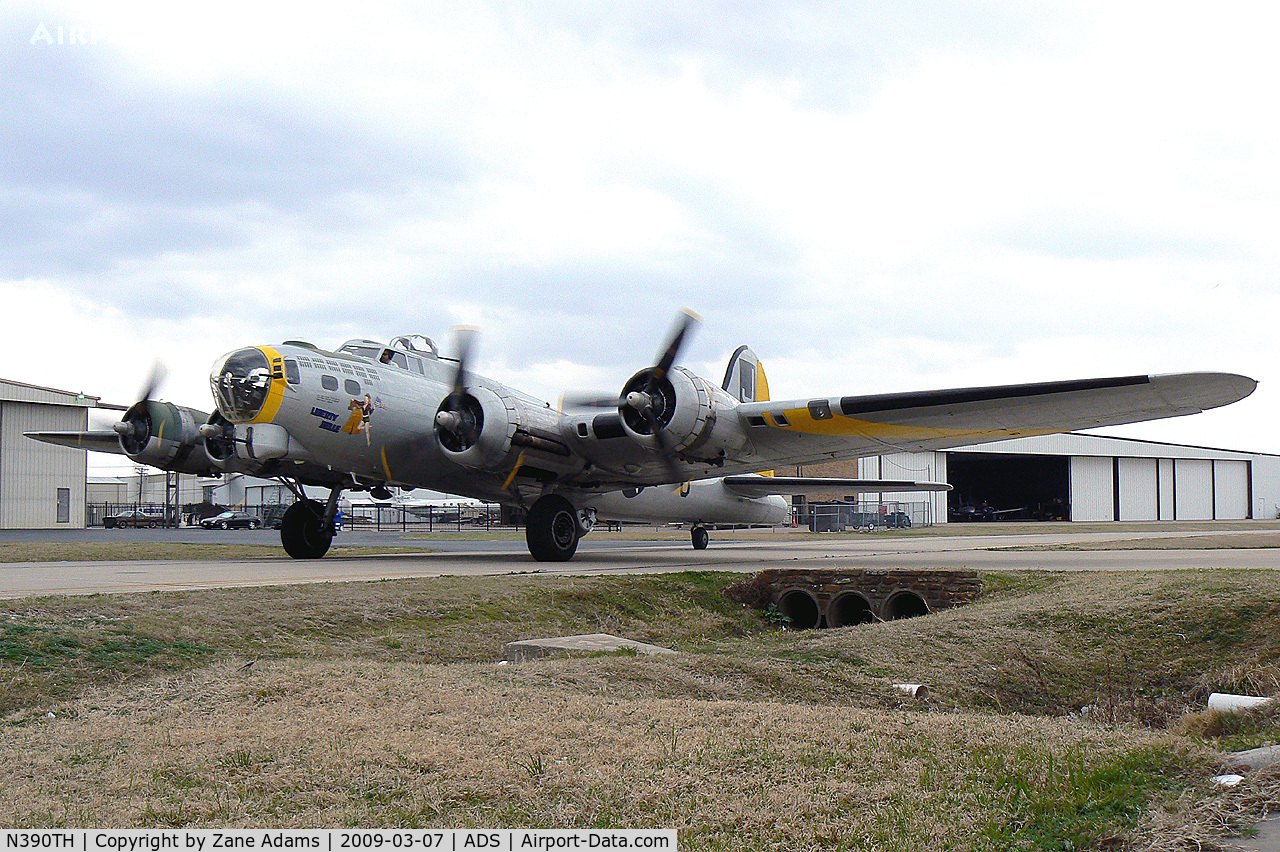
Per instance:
(240,383)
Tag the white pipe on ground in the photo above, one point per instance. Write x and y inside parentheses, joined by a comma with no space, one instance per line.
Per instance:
(915,690)
(1225,702)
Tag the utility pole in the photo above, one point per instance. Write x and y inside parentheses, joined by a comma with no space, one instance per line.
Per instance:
(141,470)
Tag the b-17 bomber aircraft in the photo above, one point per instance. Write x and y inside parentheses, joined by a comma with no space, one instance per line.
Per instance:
(670,447)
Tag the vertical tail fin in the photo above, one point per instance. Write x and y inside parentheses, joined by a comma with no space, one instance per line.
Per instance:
(744,379)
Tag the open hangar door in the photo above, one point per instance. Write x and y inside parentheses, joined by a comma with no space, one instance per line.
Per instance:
(1008,487)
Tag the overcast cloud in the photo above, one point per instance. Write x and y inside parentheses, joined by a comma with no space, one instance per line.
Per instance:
(876,198)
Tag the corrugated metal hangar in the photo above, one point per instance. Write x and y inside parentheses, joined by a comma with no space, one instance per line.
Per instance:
(41,486)
(1081,477)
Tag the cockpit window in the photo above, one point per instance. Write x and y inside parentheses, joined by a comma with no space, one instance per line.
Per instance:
(398,359)
(370,352)
(240,383)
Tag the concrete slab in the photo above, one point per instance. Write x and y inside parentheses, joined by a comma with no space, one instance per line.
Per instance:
(595,558)
(586,643)
(1254,758)
(1266,840)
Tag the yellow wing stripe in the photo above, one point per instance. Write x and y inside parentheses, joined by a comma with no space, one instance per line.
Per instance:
(801,420)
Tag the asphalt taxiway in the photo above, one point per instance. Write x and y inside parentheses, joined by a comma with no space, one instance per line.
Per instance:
(602,557)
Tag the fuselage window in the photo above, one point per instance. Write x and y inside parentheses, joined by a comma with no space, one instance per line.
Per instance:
(328,383)
(351,386)
(291,373)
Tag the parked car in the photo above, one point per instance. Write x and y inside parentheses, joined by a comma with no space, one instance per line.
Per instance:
(133,518)
(231,521)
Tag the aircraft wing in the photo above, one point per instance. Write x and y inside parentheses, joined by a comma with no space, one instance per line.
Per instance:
(752,485)
(805,431)
(102,440)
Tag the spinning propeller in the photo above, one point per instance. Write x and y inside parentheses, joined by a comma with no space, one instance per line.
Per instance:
(648,405)
(135,427)
(460,417)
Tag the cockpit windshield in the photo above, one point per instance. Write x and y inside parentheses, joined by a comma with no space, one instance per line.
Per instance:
(240,383)
(406,352)
(363,348)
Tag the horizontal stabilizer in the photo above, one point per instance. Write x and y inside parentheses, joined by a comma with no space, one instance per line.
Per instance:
(101,441)
(751,485)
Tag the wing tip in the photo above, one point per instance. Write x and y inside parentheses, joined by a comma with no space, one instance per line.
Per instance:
(1213,390)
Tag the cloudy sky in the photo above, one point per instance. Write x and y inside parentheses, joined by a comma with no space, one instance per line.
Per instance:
(875,196)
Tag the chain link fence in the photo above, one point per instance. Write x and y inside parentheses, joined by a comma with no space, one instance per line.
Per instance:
(845,516)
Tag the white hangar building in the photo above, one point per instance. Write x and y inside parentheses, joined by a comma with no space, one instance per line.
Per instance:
(1081,477)
(41,486)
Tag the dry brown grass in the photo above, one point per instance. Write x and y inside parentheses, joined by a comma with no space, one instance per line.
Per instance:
(304,743)
(382,704)
(1199,820)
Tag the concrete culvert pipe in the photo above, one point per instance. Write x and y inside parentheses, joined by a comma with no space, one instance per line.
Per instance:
(801,607)
(849,608)
(905,605)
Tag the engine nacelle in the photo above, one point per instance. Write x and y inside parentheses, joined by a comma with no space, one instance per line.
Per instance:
(164,435)
(686,408)
(240,448)
(476,428)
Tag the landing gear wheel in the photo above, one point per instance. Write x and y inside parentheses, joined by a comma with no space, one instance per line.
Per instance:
(551,529)
(301,533)
(700,538)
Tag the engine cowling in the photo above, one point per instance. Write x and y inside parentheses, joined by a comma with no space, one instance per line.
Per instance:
(475,427)
(686,408)
(164,435)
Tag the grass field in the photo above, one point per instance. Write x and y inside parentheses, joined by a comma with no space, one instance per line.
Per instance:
(1061,718)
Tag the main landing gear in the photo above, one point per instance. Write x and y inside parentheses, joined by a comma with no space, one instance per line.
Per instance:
(700,537)
(553,527)
(306,530)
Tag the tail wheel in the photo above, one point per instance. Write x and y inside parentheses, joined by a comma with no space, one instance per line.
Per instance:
(301,530)
(551,529)
(700,538)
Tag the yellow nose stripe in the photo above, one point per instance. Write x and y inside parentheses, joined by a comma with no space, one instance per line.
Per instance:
(275,394)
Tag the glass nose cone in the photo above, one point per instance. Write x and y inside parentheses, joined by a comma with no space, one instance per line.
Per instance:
(240,381)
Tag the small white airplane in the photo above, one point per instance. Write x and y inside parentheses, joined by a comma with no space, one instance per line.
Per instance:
(373,415)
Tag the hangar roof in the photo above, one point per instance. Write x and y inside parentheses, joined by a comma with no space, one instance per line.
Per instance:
(12,391)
